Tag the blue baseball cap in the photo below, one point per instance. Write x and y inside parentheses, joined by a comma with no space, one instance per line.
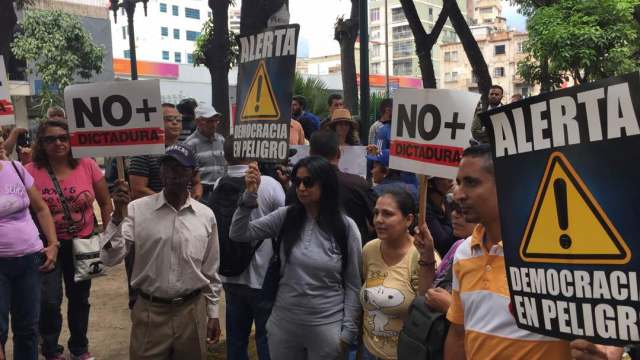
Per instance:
(182,153)
(382,158)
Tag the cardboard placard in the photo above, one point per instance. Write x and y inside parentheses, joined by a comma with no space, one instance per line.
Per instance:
(352,158)
(7,112)
(265,85)
(567,180)
(116,118)
(430,129)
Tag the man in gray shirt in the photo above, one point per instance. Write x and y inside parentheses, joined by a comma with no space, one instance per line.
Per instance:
(209,148)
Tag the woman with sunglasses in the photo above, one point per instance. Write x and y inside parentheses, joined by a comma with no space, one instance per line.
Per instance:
(81,182)
(316,311)
(22,256)
(397,267)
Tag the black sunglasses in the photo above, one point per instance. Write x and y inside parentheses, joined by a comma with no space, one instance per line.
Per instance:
(52,139)
(307,181)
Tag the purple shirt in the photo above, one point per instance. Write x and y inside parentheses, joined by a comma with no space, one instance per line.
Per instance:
(19,233)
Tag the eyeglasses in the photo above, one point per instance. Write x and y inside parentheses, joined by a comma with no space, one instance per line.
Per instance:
(52,139)
(173,118)
(307,181)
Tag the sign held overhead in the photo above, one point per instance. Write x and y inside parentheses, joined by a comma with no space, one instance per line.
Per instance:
(265,83)
(118,118)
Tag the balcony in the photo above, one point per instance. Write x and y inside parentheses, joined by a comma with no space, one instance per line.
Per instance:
(517,79)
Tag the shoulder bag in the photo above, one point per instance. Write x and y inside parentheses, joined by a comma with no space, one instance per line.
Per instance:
(86,252)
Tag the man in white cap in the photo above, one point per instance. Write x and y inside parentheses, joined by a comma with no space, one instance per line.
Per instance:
(209,148)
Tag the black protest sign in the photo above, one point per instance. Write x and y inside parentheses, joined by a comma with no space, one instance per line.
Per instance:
(265,81)
(567,176)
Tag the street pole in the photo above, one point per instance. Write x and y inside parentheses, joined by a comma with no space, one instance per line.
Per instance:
(386,46)
(129,7)
(364,68)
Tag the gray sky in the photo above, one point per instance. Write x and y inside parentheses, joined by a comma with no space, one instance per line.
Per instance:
(316,19)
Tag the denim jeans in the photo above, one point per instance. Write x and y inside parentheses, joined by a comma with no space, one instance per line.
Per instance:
(20,296)
(244,306)
(77,307)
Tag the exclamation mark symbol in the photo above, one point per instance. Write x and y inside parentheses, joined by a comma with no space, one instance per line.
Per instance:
(257,107)
(560,192)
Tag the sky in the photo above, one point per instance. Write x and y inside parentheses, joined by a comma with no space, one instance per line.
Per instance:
(316,19)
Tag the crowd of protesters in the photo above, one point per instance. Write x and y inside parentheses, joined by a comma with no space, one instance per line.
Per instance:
(323,264)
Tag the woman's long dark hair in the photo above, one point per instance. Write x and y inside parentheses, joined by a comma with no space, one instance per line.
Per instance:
(40,158)
(330,217)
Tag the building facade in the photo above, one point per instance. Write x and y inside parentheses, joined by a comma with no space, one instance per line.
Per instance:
(400,49)
(502,49)
(169,31)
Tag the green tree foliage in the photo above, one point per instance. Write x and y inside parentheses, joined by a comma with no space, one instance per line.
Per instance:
(59,49)
(316,93)
(585,39)
(206,39)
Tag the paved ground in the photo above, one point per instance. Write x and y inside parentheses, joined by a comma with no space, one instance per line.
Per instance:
(109,323)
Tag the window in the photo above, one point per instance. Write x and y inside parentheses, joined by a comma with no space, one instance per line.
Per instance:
(402,49)
(486,11)
(451,76)
(520,47)
(375,68)
(124,32)
(176,34)
(165,55)
(430,14)
(397,15)
(127,54)
(524,91)
(374,33)
(498,72)
(164,31)
(403,67)
(192,35)
(375,50)
(499,50)
(374,14)
(189,58)
(163,7)
(451,56)
(401,32)
(177,56)
(174,10)
(191,13)
(209,14)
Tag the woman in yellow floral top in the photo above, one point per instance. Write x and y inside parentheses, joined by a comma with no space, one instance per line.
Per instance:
(396,268)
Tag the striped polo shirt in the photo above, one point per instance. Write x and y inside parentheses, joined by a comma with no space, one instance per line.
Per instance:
(481,304)
(210,156)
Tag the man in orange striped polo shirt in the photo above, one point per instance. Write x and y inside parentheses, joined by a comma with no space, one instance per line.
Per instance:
(482,326)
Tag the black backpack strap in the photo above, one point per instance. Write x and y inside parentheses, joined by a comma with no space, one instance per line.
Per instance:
(19,174)
(63,201)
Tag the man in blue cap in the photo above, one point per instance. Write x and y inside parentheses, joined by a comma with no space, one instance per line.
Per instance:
(175,272)
(386,178)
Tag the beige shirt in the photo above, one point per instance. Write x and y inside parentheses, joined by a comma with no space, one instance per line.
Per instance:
(176,251)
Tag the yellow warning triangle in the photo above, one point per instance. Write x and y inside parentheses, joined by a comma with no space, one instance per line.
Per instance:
(260,102)
(567,225)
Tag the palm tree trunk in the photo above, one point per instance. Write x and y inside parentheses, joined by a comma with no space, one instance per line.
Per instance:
(346,32)
(218,63)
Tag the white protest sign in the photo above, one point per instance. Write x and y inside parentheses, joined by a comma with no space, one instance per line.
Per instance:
(352,158)
(430,129)
(116,118)
(7,113)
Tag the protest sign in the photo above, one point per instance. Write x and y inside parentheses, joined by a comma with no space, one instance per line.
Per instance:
(117,118)
(430,130)
(265,82)
(567,180)
(352,158)
(7,112)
